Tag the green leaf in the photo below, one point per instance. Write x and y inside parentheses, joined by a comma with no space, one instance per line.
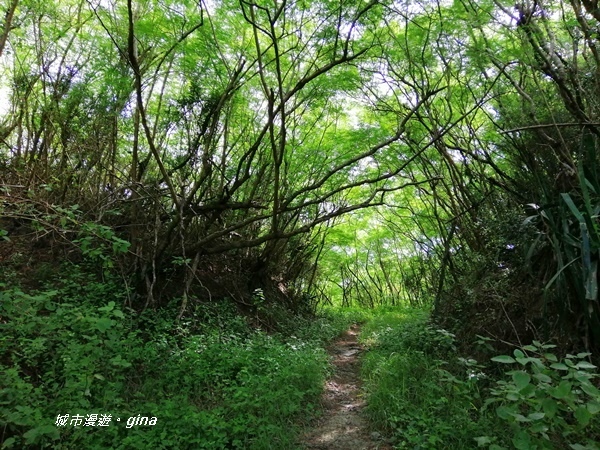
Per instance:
(570,363)
(523,361)
(33,436)
(538,427)
(521,379)
(562,390)
(593,407)
(589,389)
(536,416)
(504,359)
(542,377)
(104,323)
(8,443)
(119,362)
(482,441)
(583,416)
(504,412)
(521,418)
(585,365)
(512,396)
(4,235)
(107,308)
(528,391)
(518,353)
(559,366)
(522,441)
(569,201)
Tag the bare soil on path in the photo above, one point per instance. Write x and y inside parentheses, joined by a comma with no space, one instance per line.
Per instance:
(343,425)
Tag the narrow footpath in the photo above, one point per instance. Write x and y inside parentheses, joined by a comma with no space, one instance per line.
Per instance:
(343,426)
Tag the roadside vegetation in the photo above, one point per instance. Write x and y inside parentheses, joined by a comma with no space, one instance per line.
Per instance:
(425,394)
(212,380)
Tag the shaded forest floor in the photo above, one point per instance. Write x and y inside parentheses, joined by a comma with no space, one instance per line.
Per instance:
(343,425)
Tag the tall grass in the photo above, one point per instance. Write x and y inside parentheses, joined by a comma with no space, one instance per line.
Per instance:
(424,395)
(411,394)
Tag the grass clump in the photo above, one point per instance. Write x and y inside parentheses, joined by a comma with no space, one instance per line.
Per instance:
(411,393)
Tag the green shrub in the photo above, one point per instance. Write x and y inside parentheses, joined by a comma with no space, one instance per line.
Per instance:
(219,386)
(548,403)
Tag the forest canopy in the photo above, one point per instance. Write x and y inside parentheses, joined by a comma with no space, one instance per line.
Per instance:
(435,152)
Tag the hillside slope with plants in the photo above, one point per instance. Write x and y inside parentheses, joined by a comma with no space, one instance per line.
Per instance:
(194,195)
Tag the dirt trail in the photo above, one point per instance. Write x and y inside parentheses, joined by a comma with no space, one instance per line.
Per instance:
(343,426)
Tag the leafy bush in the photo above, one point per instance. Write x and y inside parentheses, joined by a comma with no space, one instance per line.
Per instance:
(548,402)
(70,351)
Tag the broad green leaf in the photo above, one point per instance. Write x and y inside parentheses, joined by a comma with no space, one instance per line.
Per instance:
(9,443)
(504,412)
(593,407)
(521,379)
(539,427)
(542,377)
(583,416)
(536,416)
(585,365)
(559,366)
(34,435)
(513,396)
(522,441)
(504,359)
(562,390)
(590,389)
(528,391)
(523,361)
(104,323)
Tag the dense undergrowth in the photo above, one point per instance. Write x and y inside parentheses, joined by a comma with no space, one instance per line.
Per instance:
(211,380)
(425,395)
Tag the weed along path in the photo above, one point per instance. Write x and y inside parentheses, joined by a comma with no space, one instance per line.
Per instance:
(343,426)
